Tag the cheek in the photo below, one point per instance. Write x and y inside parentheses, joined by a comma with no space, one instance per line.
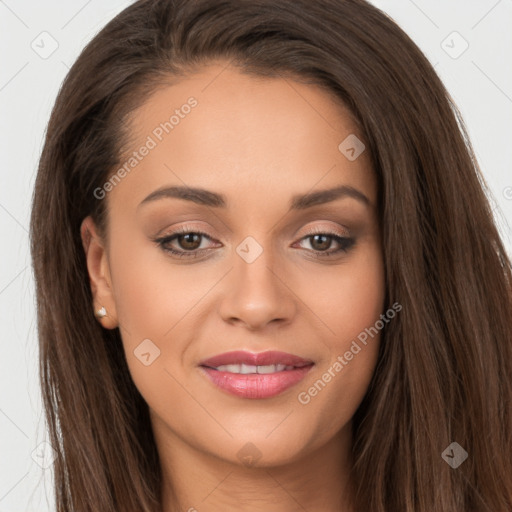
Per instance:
(352,310)
(155,301)
(361,306)
(349,297)
(361,296)
(150,295)
(149,303)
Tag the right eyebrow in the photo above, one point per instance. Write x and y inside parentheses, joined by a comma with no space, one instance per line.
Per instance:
(197,195)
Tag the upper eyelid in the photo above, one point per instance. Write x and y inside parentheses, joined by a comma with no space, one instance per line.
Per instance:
(341,230)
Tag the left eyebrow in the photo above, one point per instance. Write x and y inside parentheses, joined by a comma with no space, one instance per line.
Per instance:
(301,202)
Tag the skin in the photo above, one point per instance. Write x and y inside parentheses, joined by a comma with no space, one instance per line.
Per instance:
(259,142)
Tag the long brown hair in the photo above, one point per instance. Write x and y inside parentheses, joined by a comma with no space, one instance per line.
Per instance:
(445,364)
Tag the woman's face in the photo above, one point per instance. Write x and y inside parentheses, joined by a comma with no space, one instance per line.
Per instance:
(278,269)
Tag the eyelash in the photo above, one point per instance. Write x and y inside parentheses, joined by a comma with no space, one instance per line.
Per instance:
(346,243)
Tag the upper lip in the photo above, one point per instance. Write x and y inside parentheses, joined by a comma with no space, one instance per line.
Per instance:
(255,359)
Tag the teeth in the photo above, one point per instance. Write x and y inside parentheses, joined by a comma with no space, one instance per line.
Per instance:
(271,368)
(231,368)
(245,369)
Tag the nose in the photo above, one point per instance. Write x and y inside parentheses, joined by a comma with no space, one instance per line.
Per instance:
(257,294)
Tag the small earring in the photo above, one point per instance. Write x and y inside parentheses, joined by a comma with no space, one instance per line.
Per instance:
(101,312)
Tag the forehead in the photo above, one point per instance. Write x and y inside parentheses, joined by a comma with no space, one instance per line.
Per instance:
(221,128)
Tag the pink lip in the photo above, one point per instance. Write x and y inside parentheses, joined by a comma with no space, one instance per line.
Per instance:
(256,385)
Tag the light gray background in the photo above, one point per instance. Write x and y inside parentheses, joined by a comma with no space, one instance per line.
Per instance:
(479,80)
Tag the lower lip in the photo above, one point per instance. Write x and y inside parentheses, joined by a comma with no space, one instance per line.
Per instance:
(254,385)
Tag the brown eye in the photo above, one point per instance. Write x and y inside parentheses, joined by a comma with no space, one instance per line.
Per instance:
(321,242)
(184,243)
(189,241)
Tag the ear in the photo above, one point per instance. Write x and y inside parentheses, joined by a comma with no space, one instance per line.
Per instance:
(99,273)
